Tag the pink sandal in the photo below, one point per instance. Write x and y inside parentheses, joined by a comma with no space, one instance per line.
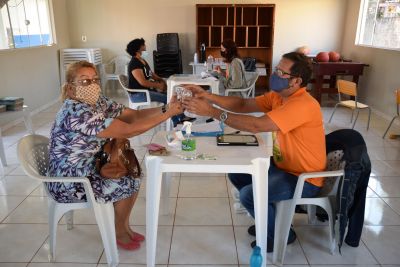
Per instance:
(137,237)
(128,246)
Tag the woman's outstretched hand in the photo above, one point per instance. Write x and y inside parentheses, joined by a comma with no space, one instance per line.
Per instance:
(174,107)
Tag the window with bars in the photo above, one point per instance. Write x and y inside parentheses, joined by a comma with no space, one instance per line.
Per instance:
(379,24)
(25,23)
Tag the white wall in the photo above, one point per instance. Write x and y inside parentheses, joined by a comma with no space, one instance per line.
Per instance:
(33,73)
(111,24)
(381,78)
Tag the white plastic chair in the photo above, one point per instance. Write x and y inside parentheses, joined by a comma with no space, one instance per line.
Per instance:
(123,80)
(285,209)
(251,78)
(119,65)
(33,156)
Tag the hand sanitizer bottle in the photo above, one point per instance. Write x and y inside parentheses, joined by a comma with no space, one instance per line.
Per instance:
(189,143)
(256,258)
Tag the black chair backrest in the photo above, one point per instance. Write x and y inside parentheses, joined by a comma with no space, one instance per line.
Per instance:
(167,42)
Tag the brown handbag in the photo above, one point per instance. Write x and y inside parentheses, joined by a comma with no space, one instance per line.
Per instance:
(117,159)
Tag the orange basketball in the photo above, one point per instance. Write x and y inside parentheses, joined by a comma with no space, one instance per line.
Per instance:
(322,57)
(334,56)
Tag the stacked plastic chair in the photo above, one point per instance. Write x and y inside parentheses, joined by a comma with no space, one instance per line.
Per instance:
(168,57)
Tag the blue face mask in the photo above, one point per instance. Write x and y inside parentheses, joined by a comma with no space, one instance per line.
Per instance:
(145,54)
(277,83)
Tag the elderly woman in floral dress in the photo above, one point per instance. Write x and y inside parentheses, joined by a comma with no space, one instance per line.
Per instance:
(84,122)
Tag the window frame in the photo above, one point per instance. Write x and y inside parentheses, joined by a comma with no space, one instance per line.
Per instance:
(52,30)
(360,28)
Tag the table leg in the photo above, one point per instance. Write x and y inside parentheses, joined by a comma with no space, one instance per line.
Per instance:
(2,154)
(260,196)
(28,121)
(153,192)
(170,87)
(318,87)
(166,187)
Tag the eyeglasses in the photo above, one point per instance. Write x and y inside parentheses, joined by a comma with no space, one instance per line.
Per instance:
(87,82)
(282,72)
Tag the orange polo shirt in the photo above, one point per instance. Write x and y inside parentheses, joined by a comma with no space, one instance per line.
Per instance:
(299,144)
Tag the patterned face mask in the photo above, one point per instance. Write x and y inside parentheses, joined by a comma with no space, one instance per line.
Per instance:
(88,94)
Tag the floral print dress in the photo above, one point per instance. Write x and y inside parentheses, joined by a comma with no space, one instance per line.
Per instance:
(73,149)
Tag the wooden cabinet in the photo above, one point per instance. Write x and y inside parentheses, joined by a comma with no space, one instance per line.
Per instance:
(250,26)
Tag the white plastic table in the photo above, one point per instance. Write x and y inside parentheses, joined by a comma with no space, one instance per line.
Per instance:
(230,159)
(178,79)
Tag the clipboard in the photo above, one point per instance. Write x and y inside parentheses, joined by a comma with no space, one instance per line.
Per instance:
(237,140)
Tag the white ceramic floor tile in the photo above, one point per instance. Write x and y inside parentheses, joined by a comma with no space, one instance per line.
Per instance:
(39,191)
(208,265)
(13,264)
(286,265)
(9,203)
(382,168)
(132,265)
(346,265)
(384,153)
(69,264)
(17,171)
(17,185)
(138,215)
(315,243)
(82,244)
(195,174)
(139,256)
(383,242)
(19,242)
(394,203)
(173,192)
(371,193)
(203,186)
(31,210)
(203,245)
(294,253)
(203,211)
(377,212)
(11,165)
(241,218)
(385,186)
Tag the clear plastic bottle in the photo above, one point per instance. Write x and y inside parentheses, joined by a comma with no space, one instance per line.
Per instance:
(256,258)
(195,58)
(210,62)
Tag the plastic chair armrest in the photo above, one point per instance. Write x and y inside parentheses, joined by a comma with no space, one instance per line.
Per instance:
(65,180)
(227,91)
(85,181)
(300,182)
(140,91)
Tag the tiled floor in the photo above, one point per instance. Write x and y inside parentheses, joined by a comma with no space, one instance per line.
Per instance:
(202,228)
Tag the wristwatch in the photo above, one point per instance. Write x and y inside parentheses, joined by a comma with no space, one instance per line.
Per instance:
(223,117)
(164,108)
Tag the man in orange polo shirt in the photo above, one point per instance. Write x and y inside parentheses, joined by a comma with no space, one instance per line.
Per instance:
(293,116)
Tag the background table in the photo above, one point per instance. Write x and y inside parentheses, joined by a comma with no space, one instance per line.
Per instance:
(333,69)
(179,79)
(230,159)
